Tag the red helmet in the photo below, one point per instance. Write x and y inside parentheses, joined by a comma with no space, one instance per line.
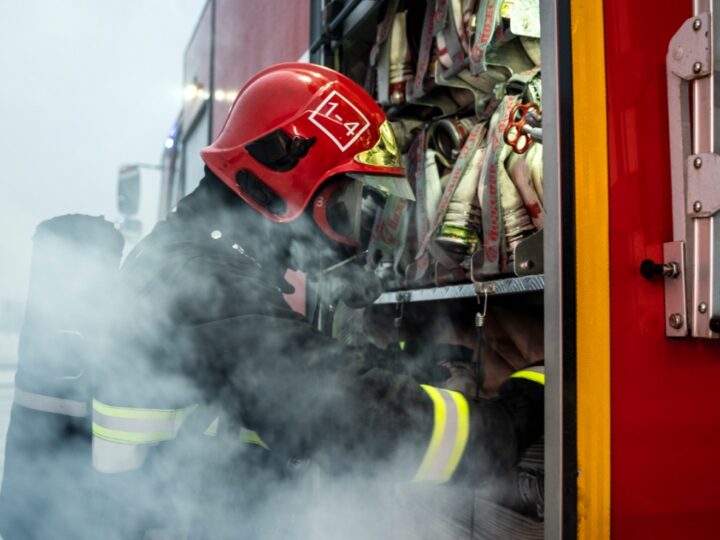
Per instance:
(291,128)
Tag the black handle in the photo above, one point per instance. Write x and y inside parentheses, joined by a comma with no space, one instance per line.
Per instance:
(715,325)
(649,269)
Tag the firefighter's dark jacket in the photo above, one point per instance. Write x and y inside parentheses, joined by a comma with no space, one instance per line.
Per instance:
(203,324)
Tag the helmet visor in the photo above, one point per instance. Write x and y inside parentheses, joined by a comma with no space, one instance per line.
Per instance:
(389,186)
(343,210)
(385,153)
(343,207)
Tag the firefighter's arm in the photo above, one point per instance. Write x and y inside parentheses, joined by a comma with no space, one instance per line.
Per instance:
(499,429)
(464,439)
(308,396)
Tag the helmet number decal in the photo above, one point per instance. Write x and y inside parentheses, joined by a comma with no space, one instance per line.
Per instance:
(351,127)
(340,120)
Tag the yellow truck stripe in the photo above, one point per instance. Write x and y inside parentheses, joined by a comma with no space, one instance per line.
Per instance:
(592,269)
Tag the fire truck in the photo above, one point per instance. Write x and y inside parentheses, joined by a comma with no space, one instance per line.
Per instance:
(625,270)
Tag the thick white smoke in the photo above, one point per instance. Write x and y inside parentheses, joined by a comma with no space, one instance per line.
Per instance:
(225,489)
(81,103)
(88,87)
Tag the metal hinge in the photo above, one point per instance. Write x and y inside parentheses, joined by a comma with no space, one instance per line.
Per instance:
(692,294)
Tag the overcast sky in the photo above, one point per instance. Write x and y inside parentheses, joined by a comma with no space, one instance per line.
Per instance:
(85,86)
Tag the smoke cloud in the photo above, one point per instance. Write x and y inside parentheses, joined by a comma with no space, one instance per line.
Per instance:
(80,104)
(177,333)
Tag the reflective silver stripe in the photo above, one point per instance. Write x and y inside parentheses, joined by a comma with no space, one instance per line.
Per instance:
(435,471)
(50,404)
(115,457)
(451,429)
(134,425)
(169,425)
(122,436)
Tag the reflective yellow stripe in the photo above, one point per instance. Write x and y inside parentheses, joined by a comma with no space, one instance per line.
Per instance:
(592,268)
(462,434)
(251,437)
(530,376)
(130,437)
(212,429)
(451,428)
(138,425)
(135,425)
(138,413)
(246,435)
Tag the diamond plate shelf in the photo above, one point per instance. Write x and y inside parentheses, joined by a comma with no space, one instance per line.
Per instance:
(514,285)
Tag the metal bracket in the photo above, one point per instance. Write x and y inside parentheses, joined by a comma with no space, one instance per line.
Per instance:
(525,18)
(703,190)
(487,287)
(692,299)
(689,51)
(529,255)
(675,300)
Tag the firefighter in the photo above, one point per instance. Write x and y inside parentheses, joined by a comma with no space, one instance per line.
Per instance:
(213,389)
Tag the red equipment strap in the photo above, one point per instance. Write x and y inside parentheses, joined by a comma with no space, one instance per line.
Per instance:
(416,176)
(488,34)
(494,252)
(448,33)
(426,39)
(471,145)
(383,31)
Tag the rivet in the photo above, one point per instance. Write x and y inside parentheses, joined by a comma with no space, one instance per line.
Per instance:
(697,162)
(675,321)
(697,206)
(216,235)
(697,24)
(697,67)
(702,308)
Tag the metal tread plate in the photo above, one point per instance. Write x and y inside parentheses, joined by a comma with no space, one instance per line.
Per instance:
(513,285)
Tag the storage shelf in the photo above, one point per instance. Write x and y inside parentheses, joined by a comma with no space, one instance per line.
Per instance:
(514,285)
